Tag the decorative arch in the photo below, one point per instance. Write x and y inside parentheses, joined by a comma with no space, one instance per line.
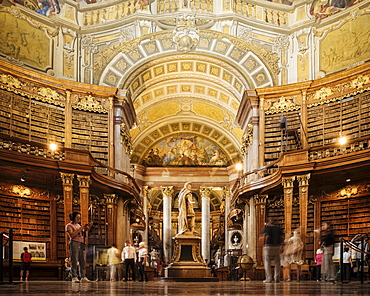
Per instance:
(203,128)
(114,65)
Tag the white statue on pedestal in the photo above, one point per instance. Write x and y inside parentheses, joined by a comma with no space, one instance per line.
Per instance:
(186,218)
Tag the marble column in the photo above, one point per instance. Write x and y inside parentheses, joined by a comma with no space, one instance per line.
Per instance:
(67,180)
(205,193)
(303,182)
(167,192)
(245,228)
(146,191)
(252,231)
(288,185)
(226,195)
(111,202)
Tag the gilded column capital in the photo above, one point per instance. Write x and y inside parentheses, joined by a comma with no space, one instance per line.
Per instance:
(146,191)
(287,182)
(111,198)
(67,178)
(303,180)
(84,181)
(167,191)
(260,198)
(205,191)
(225,192)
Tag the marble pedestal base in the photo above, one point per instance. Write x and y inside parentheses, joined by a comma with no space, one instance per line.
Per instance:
(186,261)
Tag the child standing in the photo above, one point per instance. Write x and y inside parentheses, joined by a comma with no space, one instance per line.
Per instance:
(318,260)
(26,258)
(347,264)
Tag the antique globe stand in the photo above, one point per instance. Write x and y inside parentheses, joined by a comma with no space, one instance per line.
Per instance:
(245,263)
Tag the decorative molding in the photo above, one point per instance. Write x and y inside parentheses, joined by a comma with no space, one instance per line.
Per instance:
(283,105)
(16,12)
(247,139)
(126,139)
(91,104)
(349,191)
(186,34)
(328,94)
(30,90)
(24,191)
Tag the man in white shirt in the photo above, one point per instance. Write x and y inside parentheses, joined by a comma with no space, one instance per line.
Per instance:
(129,258)
(113,261)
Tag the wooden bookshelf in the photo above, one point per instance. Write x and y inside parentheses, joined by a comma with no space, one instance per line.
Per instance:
(348,116)
(90,132)
(29,218)
(350,216)
(274,139)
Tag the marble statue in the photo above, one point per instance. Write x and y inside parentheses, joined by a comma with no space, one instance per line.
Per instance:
(186,218)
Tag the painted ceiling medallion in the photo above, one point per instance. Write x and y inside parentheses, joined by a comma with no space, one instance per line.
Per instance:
(186,34)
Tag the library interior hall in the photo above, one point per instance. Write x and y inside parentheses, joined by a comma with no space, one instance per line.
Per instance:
(176,147)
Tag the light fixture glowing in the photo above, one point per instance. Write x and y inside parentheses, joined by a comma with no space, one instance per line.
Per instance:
(53,146)
(23,178)
(348,180)
(342,140)
(239,166)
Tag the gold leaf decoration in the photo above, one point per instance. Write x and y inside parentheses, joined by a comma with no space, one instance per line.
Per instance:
(283,105)
(90,104)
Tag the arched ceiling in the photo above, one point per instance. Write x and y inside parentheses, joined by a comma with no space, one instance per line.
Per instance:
(196,92)
(186,94)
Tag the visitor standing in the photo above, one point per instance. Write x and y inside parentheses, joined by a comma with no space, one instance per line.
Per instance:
(128,258)
(327,243)
(26,258)
(113,261)
(318,260)
(142,258)
(77,246)
(272,238)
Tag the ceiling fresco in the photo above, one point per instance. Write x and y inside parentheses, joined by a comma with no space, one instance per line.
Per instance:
(185,150)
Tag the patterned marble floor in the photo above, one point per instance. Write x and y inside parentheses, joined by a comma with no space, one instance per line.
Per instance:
(223,288)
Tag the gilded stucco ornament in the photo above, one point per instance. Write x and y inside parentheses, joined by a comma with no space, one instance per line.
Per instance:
(283,105)
(90,104)
(360,81)
(323,93)
(10,81)
(126,139)
(186,34)
(49,94)
(247,139)
(337,92)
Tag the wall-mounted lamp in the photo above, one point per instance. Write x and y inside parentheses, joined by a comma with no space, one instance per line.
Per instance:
(23,178)
(239,166)
(53,146)
(342,140)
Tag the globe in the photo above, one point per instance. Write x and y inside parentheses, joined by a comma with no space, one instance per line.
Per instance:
(245,263)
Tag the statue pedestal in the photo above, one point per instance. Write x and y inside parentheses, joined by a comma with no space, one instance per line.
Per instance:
(186,262)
